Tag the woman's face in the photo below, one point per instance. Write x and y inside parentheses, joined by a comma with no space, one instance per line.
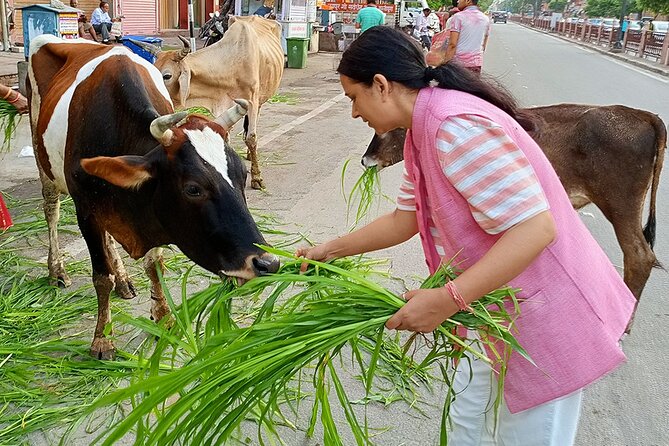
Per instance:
(369,103)
(105,7)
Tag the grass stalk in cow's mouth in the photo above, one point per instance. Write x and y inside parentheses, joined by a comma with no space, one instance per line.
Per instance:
(235,374)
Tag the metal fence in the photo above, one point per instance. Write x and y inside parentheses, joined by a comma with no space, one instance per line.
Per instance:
(644,44)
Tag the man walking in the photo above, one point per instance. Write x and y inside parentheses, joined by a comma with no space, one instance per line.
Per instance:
(369,16)
(469,30)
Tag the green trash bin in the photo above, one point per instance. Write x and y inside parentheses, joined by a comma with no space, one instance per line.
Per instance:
(297,52)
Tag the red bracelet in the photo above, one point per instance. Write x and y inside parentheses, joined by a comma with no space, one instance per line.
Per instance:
(12,101)
(457,297)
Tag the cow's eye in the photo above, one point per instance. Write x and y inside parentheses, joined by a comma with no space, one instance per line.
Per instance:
(167,76)
(193,190)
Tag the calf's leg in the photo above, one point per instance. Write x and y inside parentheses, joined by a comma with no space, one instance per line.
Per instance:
(124,287)
(152,260)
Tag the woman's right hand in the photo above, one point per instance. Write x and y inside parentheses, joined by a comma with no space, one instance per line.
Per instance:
(319,253)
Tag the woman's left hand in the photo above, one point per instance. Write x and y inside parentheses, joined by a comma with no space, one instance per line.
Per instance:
(424,311)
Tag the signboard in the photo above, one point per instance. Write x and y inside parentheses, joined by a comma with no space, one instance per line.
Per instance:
(296,29)
(348,6)
(68,26)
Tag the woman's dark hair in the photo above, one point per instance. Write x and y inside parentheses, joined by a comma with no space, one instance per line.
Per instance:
(102,4)
(387,51)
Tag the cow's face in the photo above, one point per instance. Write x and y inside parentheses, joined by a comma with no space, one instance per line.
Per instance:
(196,187)
(385,150)
(176,75)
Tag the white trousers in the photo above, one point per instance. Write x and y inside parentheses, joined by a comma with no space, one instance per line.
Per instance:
(473,420)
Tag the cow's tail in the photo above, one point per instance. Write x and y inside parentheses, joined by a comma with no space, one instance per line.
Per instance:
(661,144)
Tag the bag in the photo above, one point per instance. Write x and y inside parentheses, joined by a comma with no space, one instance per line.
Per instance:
(116,29)
(440,40)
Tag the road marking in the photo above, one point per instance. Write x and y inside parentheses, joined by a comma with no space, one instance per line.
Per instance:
(291,125)
(640,71)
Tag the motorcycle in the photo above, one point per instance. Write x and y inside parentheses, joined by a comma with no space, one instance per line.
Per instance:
(214,28)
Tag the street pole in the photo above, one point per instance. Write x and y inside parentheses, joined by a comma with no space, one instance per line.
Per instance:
(4,25)
(191,25)
(618,45)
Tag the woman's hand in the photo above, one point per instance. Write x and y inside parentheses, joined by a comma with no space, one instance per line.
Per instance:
(319,253)
(424,311)
(21,103)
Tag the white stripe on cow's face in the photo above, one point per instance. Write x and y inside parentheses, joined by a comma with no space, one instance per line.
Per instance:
(211,147)
(55,135)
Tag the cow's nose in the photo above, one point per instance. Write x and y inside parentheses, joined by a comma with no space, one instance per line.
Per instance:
(266,264)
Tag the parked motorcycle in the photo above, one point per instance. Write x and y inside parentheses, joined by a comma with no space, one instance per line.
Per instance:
(214,28)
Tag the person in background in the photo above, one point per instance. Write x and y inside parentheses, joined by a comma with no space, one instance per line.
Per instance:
(84,25)
(434,24)
(101,21)
(469,30)
(266,10)
(422,28)
(369,16)
(479,190)
(623,28)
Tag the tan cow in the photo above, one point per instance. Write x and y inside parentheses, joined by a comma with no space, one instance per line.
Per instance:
(247,63)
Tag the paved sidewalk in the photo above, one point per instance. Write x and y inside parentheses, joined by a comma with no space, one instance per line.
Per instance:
(639,62)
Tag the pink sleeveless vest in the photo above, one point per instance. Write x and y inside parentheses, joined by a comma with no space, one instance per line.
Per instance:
(576,305)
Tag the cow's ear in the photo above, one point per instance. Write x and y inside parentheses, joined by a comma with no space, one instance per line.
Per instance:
(123,171)
(184,84)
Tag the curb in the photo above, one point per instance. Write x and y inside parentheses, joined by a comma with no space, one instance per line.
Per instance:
(600,50)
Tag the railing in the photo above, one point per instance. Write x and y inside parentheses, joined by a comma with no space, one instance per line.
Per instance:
(646,44)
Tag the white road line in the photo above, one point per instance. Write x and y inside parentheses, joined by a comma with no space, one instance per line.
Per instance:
(640,71)
(291,125)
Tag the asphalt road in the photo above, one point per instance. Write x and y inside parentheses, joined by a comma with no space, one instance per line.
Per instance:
(631,406)
(302,160)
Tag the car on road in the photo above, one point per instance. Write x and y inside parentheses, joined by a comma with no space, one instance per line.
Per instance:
(499,16)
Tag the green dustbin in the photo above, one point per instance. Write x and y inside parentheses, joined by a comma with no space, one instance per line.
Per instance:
(297,52)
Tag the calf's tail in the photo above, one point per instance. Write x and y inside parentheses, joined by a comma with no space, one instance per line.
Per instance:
(661,144)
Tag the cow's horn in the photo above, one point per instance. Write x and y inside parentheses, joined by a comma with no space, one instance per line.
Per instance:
(233,114)
(160,127)
(146,46)
(185,51)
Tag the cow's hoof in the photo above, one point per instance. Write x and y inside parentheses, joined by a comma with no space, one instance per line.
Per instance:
(125,289)
(103,348)
(61,280)
(160,311)
(257,183)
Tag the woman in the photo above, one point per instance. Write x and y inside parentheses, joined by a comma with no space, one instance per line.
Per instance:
(478,187)
(21,104)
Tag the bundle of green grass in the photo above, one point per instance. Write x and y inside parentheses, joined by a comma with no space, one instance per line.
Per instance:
(8,121)
(208,374)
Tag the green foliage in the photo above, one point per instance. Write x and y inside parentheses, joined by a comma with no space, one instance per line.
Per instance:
(557,5)
(603,8)
(657,6)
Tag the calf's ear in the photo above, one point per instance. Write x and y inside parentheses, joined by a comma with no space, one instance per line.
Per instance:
(123,171)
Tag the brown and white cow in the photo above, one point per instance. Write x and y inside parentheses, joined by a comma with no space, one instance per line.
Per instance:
(246,63)
(607,155)
(104,132)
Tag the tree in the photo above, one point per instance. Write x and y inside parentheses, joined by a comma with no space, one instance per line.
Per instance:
(657,6)
(603,8)
(557,5)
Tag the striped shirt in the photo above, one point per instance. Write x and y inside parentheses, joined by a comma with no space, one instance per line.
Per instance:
(488,169)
